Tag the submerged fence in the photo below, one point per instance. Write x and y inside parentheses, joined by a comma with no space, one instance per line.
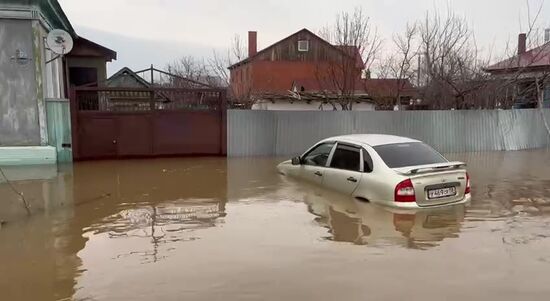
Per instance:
(284,133)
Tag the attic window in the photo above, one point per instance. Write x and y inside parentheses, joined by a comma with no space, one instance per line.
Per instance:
(303,45)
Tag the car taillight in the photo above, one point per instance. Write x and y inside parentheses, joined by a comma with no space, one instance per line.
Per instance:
(404,192)
(468,187)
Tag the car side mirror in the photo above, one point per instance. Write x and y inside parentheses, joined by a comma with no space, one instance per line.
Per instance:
(296,161)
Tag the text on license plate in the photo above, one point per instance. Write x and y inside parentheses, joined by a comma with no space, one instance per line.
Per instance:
(441,192)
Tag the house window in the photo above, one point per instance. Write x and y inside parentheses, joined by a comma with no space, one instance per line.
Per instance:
(303,45)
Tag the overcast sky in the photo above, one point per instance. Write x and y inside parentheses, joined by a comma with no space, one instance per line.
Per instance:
(145,32)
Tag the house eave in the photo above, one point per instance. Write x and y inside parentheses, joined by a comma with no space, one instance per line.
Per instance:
(48,12)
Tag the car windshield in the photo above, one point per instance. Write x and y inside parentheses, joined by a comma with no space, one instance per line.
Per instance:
(408,154)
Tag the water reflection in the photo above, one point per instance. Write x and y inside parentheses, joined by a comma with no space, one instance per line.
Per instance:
(139,208)
(505,184)
(201,228)
(346,219)
(156,227)
(349,220)
(34,189)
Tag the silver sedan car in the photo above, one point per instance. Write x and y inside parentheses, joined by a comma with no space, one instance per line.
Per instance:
(390,170)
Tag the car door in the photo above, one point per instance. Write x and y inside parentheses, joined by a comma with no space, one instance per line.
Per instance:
(314,163)
(345,169)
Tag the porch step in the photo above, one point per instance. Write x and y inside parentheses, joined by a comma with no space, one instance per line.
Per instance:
(27,155)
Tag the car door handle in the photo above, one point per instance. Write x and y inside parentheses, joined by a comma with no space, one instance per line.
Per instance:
(318,173)
(352,179)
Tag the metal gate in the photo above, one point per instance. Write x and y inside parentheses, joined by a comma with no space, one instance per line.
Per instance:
(110,123)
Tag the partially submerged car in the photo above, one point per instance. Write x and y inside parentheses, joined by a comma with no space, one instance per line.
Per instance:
(390,170)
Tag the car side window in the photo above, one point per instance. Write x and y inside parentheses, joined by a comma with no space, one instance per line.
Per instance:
(319,155)
(347,158)
(367,162)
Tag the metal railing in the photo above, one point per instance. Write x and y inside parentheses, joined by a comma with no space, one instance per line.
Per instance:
(143,100)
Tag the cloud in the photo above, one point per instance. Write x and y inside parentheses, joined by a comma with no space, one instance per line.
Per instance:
(157,31)
(137,53)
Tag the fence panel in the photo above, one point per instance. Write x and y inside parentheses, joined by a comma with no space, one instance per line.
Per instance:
(285,133)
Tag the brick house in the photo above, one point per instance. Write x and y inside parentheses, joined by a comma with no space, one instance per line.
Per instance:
(300,63)
(526,70)
(305,72)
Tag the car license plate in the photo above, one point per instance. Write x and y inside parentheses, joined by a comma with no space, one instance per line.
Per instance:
(441,193)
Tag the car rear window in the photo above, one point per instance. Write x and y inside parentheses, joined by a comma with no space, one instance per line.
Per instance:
(408,154)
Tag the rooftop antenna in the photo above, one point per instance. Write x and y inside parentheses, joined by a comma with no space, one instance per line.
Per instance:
(59,42)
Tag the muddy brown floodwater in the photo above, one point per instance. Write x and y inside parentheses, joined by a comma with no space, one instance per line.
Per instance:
(217,229)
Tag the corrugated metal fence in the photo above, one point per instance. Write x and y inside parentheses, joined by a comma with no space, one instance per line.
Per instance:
(283,133)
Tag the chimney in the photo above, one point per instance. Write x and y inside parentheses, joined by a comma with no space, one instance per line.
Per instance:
(522,43)
(547,35)
(252,43)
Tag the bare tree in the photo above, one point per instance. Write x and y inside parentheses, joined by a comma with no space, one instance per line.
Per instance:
(519,77)
(386,66)
(441,56)
(451,61)
(401,65)
(407,53)
(221,61)
(187,67)
(534,66)
(213,71)
(358,43)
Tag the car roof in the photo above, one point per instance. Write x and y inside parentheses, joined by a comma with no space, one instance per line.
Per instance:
(372,139)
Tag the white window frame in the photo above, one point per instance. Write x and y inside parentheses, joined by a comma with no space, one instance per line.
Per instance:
(301,44)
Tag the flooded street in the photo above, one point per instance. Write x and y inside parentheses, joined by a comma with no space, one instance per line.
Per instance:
(233,229)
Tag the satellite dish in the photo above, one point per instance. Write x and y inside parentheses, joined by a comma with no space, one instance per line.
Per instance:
(59,41)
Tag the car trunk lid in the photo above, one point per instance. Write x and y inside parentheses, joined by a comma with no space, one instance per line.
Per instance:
(437,184)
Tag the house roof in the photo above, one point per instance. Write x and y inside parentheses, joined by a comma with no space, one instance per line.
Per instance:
(538,57)
(125,71)
(53,14)
(310,84)
(387,87)
(305,30)
(85,47)
(353,51)
(316,85)
(377,87)
(50,9)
